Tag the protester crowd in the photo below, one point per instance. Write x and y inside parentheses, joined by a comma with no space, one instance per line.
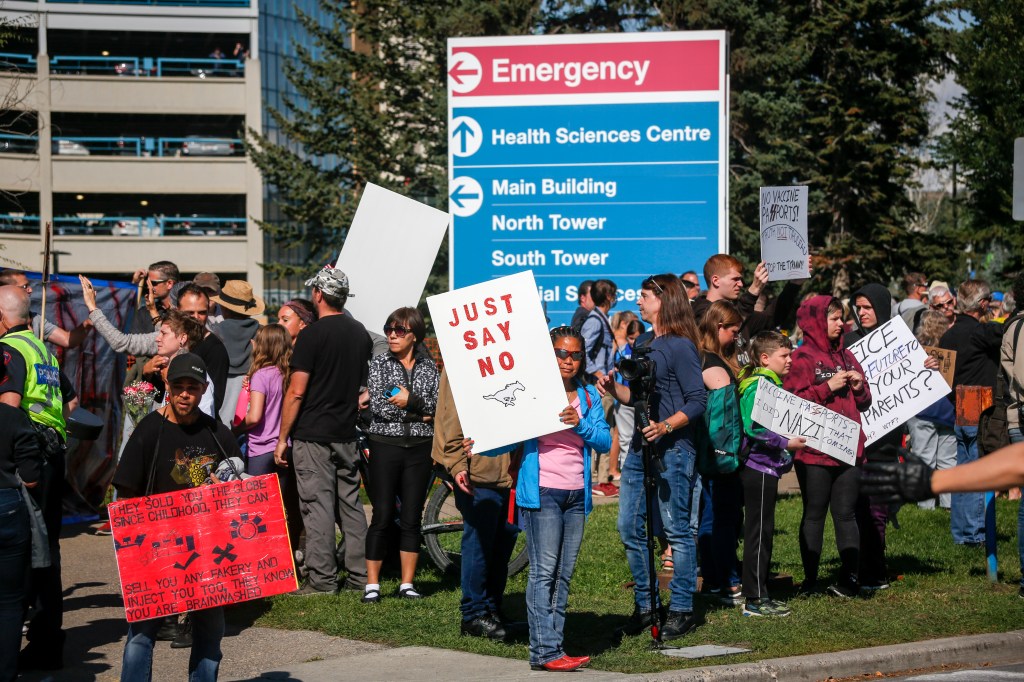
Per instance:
(693,469)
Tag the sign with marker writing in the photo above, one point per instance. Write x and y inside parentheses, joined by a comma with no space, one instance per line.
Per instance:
(893,363)
(790,415)
(390,233)
(203,547)
(586,156)
(784,232)
(500,361)
(946,359)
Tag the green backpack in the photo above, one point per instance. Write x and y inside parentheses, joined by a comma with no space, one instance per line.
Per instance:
(719,440)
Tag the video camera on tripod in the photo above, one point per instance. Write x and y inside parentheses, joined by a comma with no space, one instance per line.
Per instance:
(639,371)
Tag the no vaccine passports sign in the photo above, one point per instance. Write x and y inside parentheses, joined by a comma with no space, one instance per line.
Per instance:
(586,156)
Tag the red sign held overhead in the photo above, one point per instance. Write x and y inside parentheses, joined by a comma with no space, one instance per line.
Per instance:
(204,547)
(585,68)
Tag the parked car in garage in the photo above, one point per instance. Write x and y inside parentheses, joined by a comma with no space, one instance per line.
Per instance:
(195,145)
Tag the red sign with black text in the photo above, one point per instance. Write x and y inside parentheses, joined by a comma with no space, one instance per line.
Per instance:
(203,547)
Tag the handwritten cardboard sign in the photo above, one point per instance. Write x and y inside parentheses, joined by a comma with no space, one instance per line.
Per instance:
(504,376)
(388,252)
(784,232)
(204,547)
(789,415)
(893,362)
(947,361)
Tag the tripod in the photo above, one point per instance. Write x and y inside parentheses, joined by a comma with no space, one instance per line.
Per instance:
(652,464)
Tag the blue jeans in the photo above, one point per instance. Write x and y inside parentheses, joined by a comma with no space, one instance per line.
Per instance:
(554,534)
(15,552)
(207,631)
(967,513)
(720,522)
(674,490)
(487,543)
(1017,437)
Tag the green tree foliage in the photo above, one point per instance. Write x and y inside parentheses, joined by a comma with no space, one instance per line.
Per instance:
(371,107)
(989,56)
(828,94)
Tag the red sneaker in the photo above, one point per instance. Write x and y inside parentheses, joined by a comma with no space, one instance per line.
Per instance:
(564,664)
(104,529)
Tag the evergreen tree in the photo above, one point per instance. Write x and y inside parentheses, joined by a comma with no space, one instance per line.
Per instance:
(371,107)
(989,56)
(831,95)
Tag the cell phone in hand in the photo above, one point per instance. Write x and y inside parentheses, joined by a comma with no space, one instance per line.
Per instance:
(391,391)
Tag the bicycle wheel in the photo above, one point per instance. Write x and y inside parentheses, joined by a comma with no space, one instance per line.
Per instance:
(442,533)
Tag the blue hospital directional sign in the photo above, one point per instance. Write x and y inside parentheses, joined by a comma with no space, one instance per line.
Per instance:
(585,157)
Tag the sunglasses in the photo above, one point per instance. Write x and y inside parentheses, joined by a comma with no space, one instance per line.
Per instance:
(397,329)
(154,282)
(562,354)
(940,306)
(651,283)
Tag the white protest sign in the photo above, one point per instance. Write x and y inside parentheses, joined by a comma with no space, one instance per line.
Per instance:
(387,255)
(784,232)
(497,352)
(789,415)
(893,363)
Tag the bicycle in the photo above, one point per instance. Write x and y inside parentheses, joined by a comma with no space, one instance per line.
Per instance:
(442,528)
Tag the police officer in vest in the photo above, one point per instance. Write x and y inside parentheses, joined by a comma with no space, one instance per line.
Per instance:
(34,383)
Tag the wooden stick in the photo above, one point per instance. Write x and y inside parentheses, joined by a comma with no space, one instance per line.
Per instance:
(47,246)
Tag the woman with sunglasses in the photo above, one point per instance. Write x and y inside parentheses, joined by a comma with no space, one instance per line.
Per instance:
(553,494)
(678,398)
(403,394)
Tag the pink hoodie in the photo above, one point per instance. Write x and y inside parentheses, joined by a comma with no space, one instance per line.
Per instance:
(817,361)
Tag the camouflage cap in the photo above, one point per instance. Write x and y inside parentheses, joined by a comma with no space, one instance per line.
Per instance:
(330,281)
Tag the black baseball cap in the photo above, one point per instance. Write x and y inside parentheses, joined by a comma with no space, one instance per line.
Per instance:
(186,366)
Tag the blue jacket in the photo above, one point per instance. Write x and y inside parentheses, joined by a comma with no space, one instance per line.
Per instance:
(596,435)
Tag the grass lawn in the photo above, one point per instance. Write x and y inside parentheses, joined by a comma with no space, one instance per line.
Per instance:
(944,592)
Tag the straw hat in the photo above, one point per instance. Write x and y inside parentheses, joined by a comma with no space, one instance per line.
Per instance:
(236,295)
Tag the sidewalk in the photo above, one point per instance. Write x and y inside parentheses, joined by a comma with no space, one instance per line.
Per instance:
(96,628)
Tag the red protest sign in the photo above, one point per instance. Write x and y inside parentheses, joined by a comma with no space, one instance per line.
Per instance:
(195,549)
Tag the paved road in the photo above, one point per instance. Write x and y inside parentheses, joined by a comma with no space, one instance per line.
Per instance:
(1003,673)
(96,629)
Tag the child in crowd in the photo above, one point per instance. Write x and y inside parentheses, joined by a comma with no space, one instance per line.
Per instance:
(268,374)
(769,457)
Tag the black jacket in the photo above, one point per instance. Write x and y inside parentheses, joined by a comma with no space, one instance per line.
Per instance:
(977,351)
(19,448)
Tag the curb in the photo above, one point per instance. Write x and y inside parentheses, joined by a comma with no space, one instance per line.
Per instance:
(998,648)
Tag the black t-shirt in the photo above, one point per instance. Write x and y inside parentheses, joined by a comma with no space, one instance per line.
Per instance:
(211,349)
(186,458)
(334,351)
(13,379)
(714,360)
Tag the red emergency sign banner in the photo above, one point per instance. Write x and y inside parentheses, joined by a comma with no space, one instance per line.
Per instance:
(195,549)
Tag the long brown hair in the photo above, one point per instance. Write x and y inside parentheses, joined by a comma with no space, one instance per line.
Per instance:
(719,315)
(676,315)
(272,347)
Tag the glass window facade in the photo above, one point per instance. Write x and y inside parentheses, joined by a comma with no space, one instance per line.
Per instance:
(280,32)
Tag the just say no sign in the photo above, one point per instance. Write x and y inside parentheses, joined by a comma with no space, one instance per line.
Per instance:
(195,549)
(499,359)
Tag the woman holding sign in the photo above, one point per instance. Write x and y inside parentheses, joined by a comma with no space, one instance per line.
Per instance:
(826,373)
(553,493)
(677,399)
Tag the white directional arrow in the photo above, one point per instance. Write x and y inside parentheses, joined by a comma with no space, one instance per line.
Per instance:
(466,136)
(465,72)
(466,197)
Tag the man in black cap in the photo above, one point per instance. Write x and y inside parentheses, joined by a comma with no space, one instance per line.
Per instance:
(175,448)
